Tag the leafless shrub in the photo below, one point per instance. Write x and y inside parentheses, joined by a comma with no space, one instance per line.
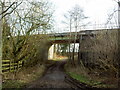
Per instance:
(102,50)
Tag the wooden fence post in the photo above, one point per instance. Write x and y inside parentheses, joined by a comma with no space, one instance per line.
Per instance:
(10,66)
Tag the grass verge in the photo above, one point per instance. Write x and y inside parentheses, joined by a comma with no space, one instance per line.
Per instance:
(93,78)
(88,81)
(23,77)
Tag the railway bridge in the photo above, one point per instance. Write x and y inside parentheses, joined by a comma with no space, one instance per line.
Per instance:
(73,37)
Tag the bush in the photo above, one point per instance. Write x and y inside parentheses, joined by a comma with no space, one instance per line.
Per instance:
(101,50)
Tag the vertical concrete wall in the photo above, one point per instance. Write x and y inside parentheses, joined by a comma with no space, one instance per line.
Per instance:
(51,52)
(103,47)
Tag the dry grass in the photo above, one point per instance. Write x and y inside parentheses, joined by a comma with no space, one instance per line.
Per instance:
(24,76)
(104,81)
(33,72)
(59,57)
(104,78)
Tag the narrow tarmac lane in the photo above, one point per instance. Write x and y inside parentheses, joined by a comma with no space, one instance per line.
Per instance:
(53,78)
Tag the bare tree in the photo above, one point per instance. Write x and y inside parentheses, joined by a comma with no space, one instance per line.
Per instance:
(19,28)
(9,8)
(74,20)
(77,16)
(68,22)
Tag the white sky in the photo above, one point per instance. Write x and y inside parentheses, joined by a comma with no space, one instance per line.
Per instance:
(97,10)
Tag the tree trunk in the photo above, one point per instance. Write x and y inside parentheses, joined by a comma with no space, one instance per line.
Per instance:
(73,53)
(79,54)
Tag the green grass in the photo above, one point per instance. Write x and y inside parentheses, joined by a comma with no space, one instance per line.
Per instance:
(86,80)
(12,84)
(81,78)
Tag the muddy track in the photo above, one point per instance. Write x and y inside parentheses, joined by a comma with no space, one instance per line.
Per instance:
(55,77)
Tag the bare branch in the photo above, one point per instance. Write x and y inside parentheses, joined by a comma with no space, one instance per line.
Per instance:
(11,11)
(8,8)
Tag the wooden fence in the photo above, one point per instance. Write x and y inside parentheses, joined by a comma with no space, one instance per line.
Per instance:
(8,66)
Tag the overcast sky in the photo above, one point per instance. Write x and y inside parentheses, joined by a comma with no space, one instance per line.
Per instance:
(96,10)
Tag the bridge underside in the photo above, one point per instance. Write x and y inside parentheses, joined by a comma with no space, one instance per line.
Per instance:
(65,41)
